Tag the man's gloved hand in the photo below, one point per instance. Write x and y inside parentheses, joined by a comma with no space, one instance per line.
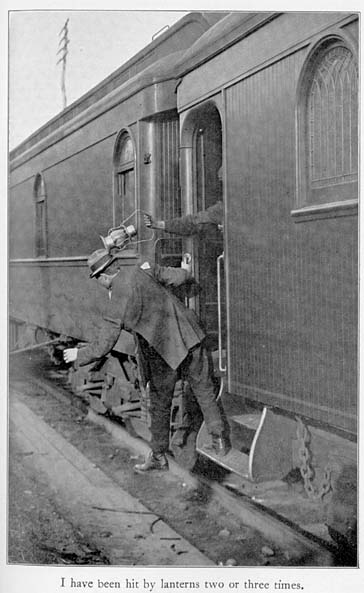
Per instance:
(153,224)
(148,220)
(70,355)
(186,263)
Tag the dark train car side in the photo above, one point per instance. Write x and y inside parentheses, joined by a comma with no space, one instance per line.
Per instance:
(282,91)
(106,156)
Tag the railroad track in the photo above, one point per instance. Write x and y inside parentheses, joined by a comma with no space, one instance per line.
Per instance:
(300,547)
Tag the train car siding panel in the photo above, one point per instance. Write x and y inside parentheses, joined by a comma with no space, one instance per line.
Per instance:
(292,288)
(78,175)
(60,297)
(22,220)
(287,31)
(169,247)
(80,200)
(79,203)
(54,297)
(78,172)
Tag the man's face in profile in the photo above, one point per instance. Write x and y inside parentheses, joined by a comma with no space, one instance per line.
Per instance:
(105,280)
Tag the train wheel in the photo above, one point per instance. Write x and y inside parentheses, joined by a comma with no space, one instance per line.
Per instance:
(42,335)
(185,452)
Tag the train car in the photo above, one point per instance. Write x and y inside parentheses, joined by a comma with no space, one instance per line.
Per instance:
(272,98)
(102,159)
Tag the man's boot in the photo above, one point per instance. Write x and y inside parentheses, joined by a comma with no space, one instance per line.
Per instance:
(154,461)
(220,445)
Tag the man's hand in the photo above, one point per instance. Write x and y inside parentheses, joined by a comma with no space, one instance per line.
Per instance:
(153,224)
(70,355)
(148,221)
(186,263)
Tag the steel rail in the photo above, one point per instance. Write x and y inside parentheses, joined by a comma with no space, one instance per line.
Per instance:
(36,346)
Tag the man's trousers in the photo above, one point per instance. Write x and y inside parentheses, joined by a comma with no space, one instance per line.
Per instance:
(197,370)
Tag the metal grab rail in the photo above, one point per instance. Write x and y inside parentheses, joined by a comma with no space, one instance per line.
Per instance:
(219,313)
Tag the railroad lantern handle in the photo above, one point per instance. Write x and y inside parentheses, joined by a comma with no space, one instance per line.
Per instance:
(219,261)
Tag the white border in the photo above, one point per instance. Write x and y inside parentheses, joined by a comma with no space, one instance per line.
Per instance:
(30,579)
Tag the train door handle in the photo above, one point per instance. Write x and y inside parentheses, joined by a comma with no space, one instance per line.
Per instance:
(186,264)
(219,261)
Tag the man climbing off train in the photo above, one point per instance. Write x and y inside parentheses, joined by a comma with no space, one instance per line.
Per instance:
(170,341)
(191,224)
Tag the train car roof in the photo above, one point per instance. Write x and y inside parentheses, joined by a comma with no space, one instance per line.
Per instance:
(230,29)
(143,60)
(227,31)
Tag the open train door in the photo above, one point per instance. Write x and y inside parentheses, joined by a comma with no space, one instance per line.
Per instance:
(202,187)
(249,432)
(201,166)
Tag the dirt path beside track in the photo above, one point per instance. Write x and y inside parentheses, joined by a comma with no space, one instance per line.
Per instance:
(117,524)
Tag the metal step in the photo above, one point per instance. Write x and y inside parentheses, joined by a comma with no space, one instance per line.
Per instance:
(250,421)
(243,428)
(235,460)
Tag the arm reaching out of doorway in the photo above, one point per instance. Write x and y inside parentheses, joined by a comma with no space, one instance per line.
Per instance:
(189,224)
(151,223)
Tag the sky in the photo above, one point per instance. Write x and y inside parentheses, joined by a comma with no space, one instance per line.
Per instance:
(100,41)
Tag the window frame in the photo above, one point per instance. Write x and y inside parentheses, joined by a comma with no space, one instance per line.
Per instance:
(328,209)
(40,221)
(120,168)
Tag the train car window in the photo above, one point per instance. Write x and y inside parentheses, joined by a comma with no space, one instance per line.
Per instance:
(329,128)
(40,217)
(124,167)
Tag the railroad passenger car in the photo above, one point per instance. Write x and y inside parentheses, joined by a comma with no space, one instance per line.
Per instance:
(273,99)
(274,96)
(103,158)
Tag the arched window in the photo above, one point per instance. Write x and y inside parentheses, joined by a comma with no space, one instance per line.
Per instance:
(328,127)
(124,171)
(40,217)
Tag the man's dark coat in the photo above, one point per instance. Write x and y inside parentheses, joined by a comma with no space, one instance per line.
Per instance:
(196,223)
(144,306)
